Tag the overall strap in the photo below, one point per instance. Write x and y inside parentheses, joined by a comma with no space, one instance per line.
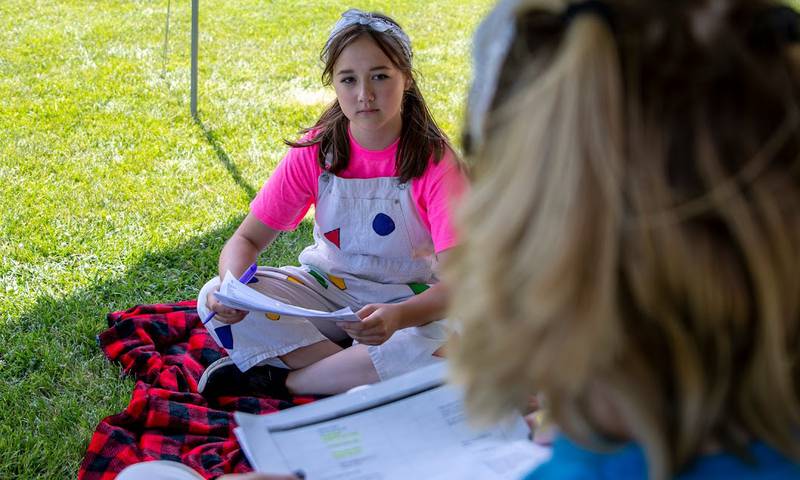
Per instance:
(328,161)
(326,169)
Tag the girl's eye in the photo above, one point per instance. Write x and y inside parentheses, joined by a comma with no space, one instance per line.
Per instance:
(380,76)
(347,80)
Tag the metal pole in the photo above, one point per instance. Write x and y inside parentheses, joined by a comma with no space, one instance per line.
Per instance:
(193,90)
(166,43)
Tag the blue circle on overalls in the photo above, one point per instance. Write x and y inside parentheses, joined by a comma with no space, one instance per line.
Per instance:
(383,224)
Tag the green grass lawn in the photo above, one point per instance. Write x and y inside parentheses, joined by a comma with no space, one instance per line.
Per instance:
(111,196)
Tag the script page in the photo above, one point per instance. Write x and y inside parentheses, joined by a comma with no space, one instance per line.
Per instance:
(423,436)
(235,294)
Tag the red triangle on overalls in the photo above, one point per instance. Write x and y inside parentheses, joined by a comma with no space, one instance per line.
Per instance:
(333,236)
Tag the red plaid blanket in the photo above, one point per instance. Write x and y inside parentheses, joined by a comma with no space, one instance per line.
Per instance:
(166,348)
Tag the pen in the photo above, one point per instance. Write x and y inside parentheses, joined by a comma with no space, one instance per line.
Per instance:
(246,277)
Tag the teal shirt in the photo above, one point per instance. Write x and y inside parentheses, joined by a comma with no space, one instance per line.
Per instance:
(572,462)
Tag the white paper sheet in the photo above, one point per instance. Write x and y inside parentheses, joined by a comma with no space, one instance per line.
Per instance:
(235,294)
(418,435)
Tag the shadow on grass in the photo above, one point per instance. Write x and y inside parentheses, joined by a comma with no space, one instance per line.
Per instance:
(224,159)
(55,384)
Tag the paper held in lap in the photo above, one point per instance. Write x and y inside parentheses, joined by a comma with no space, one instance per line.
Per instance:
(236,294)
(412,426)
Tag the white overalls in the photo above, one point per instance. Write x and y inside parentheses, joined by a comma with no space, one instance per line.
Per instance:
(370,246)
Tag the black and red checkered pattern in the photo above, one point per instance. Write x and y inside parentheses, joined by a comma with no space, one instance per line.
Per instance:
(166,348)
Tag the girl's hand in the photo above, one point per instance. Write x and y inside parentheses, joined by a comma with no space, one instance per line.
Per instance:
(531,416)
(223,314)
(542,429)
(378,322)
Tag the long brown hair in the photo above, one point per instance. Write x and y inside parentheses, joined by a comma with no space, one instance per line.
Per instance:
(635,224)
(420,136)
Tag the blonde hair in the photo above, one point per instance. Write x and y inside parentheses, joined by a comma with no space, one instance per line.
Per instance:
(635,223)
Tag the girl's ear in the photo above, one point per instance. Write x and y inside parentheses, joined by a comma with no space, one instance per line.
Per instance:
(408,82)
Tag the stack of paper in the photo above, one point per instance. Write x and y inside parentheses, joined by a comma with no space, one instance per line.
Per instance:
(235,294)
(413,426)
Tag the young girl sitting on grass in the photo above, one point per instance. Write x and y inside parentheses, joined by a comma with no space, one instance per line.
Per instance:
(382,177)
(633,241)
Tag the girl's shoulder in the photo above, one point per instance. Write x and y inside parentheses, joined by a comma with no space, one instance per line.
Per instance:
(442,181)
(310,135)
(303,154)
(448,165)
(451,158)
(305,144)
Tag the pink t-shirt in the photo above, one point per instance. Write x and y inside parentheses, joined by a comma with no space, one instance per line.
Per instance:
(291,190)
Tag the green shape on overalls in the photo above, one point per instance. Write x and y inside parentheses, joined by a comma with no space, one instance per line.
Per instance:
(319,278)
(418,288)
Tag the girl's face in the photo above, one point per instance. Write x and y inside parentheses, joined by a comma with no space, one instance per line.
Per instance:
(370,91)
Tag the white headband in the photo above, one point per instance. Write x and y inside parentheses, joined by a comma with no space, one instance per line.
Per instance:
(490,46)
(355,16)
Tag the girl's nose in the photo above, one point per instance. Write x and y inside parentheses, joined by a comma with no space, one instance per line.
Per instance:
(365,94)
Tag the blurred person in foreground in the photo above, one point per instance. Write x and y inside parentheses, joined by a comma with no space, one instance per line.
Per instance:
(631,245)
